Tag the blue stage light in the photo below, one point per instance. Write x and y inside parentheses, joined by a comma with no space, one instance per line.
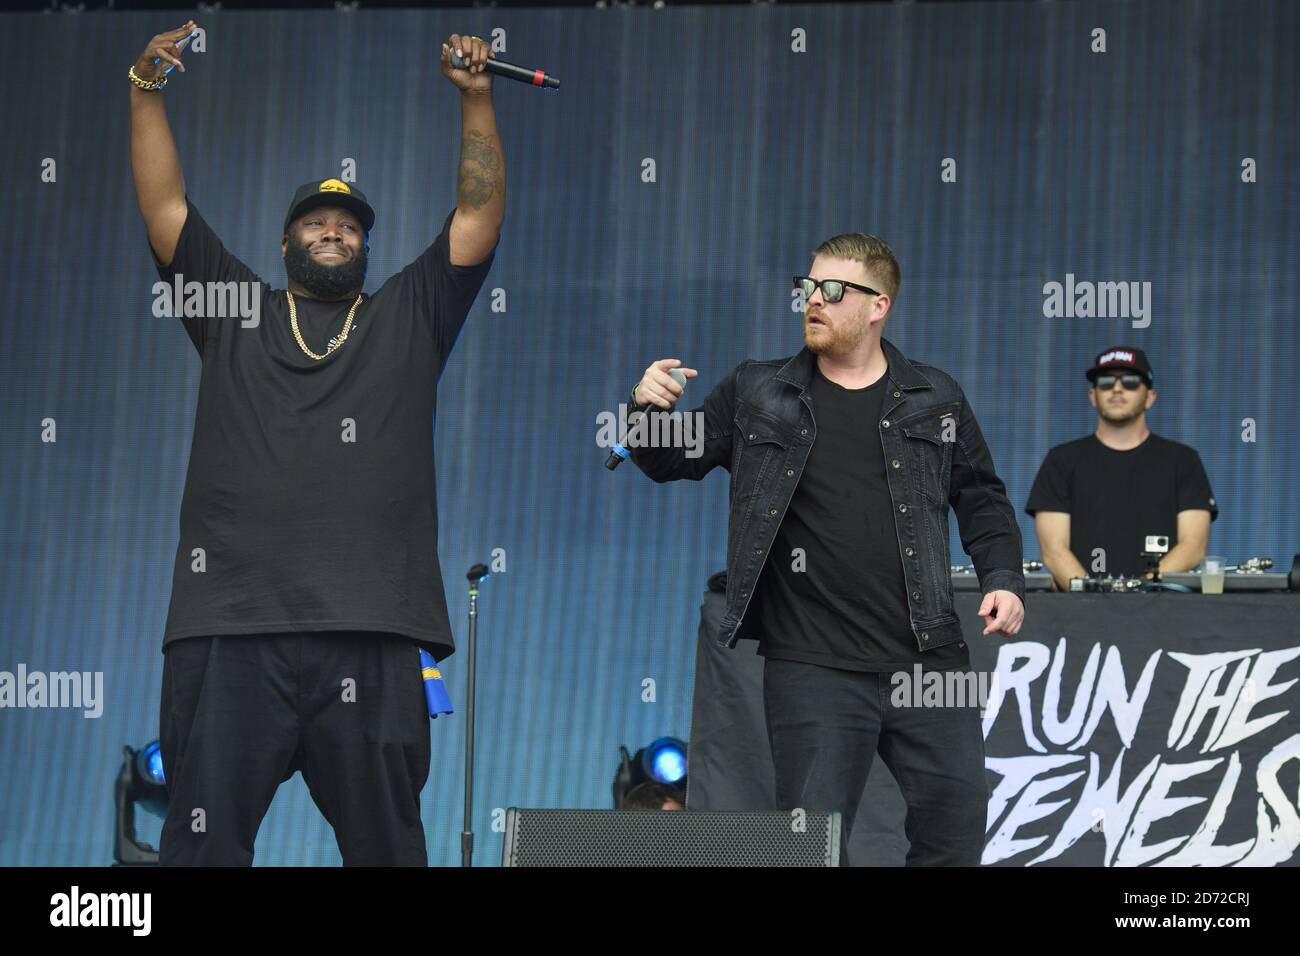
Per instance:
(140,783)
(149,763)
(665,760)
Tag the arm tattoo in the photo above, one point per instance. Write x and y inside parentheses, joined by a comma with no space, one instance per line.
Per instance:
(480,170)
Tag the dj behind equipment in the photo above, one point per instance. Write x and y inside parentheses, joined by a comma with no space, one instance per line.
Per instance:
(1122,501)
(1253,574)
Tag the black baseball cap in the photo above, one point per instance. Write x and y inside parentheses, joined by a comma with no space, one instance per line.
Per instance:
(330,192)
(1121,358)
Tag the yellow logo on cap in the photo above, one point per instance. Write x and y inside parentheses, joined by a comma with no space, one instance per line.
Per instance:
(335,186)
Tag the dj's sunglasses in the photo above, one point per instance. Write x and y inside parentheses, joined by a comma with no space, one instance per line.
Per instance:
(1131,382)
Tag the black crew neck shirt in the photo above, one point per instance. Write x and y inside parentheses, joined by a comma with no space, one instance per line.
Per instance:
(847,608)
(1116,498)
(309,502)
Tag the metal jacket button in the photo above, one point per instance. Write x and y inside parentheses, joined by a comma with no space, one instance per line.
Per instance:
(902,508)
(885,423)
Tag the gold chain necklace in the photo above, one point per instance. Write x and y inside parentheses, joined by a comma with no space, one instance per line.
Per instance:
(297,334)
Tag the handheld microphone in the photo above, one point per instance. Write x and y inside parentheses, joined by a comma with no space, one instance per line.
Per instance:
(512,72)
(619,454)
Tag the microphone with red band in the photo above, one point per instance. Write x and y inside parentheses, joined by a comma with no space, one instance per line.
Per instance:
(512,72)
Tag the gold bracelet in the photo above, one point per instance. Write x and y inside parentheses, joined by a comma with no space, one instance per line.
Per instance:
(157,84)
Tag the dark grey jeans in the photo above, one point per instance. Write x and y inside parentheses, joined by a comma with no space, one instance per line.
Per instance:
(825,727)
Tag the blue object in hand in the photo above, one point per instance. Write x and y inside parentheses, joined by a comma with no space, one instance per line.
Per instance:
(180,45)
(435,694)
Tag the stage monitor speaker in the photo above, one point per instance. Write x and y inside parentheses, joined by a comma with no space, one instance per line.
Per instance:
(670,838)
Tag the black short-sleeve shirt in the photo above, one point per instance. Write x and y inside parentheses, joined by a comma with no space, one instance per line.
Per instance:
(309,501)
(1116,498)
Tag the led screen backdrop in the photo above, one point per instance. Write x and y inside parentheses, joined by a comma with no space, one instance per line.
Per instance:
(657,206)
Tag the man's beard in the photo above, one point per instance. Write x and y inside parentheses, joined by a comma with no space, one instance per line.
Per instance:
(322,281)
(1119,417)
(839,341)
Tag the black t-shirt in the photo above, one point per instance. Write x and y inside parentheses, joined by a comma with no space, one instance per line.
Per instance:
(847,607)
(310,487)
(1116,498)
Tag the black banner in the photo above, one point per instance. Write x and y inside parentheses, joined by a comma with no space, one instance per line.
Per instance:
(1120,730)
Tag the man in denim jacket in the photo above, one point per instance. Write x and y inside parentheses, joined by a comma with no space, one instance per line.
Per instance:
(844,461)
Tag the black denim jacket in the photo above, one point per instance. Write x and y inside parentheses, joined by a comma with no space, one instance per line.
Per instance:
(758,424)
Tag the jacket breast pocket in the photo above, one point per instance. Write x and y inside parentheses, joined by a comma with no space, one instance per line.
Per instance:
(929,441)
(761,445)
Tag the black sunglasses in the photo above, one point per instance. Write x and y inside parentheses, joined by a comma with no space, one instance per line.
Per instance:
(832,289)
(1131,382)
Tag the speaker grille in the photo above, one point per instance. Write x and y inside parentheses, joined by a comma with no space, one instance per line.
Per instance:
(668,838)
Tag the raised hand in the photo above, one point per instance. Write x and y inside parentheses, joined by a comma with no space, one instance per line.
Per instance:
(165,49)
(474,53)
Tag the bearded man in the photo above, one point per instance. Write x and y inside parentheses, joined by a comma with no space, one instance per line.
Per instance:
(306,576)
(844,461)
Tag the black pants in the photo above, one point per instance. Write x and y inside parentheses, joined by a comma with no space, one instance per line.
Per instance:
(825,726)
(241,713)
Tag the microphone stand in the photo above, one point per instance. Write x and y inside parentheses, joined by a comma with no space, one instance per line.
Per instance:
(474,576)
